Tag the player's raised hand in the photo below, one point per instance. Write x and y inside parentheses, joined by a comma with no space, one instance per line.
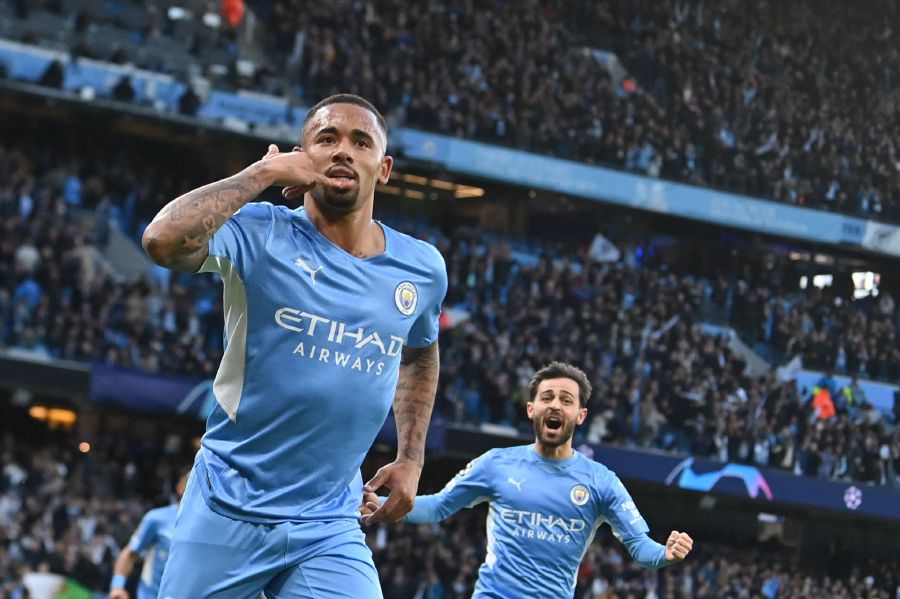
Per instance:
(294,171)
(678,546)
(370,503)
(118,594)
(402,478)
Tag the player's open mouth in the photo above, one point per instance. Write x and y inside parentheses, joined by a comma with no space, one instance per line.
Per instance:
(341,172)
(553,423)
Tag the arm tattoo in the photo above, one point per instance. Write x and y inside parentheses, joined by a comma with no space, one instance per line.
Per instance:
(196,216)
(414,400)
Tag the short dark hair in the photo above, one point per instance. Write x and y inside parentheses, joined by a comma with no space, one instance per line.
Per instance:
(344,99)
(561,370)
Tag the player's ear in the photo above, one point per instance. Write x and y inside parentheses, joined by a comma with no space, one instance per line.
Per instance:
(297,149)
(387,164)
(582,414)
(529,409)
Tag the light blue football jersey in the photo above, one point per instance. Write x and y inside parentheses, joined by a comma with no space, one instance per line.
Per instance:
(313,341)
(152,540)
(542,516)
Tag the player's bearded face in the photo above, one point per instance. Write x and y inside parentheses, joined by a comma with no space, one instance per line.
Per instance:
(556,411)
(554,429)
(346,144)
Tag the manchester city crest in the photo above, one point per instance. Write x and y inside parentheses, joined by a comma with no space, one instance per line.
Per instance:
(579,495)
(406,297)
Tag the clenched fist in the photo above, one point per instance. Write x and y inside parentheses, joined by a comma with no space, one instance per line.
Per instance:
(678,546)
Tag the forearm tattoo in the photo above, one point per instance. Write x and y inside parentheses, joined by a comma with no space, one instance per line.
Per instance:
(192,219)
(414,400)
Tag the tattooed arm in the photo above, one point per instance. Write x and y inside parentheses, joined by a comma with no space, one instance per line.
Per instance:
(178,237)
(413,402)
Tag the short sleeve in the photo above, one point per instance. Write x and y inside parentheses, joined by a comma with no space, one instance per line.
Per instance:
(241,238)
(425,329)
(145,535)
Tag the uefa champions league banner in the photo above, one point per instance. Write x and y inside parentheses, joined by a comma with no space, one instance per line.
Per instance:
(762,485)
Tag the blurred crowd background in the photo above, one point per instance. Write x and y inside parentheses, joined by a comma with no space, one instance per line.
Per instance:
(786,102)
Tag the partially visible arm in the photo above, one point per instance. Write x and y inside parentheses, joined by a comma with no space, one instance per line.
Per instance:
(472,485)
(630,528)
(413,402)
(651,554)
(178,237)
(645,551)
(440,506)
(121,572)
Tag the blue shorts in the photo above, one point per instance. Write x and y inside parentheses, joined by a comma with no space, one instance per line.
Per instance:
(216,557)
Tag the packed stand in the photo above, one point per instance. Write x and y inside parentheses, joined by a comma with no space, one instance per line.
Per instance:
(58,295)
(659,381)
(828,331)
(442,561)
(780,101)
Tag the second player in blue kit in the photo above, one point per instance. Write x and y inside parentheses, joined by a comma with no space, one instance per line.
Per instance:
(546,501)
(330,319)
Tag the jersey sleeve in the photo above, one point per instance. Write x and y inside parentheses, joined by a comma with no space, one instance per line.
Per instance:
(629,526)
(473,485)
(425,329)
(240,239)
(145,535)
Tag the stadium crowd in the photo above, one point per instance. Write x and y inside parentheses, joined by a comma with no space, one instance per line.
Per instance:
(59,295)
(830,331)
(718,93)
(781,102)
(69,513)
(660,382)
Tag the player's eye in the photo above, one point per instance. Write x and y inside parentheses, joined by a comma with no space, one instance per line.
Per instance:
(326,139)
(362,143)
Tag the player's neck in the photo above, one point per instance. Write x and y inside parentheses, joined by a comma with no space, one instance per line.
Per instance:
(355,233)
(560,452)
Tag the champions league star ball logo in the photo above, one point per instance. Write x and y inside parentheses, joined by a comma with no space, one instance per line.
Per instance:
(579,495)
(852,498)
(406,297)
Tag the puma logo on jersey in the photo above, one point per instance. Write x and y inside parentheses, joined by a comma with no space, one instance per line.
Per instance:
(516,483)
(306,267)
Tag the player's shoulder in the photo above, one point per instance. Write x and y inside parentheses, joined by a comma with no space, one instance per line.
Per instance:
(415,250)
(262,211)
(601,476)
